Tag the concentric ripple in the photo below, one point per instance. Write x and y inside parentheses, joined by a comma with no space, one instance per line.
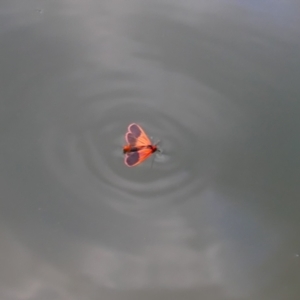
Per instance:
(84,151)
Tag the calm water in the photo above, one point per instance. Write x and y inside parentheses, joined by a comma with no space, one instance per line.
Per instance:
(217,217)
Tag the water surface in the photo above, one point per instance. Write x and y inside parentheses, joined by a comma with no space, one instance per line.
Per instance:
(216,217)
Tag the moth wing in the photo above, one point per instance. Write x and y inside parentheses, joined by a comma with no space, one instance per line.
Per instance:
(130,139)
(134,158)
(137,131)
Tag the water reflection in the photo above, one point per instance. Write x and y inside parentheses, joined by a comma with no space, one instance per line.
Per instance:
(216,216)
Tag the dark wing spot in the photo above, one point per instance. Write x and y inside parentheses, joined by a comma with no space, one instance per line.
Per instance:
(130,138)
(132,158)
(135,130)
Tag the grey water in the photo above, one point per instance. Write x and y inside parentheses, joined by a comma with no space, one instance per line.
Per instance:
(216,216)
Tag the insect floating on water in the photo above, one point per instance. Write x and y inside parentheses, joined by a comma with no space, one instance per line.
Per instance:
(139,147)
